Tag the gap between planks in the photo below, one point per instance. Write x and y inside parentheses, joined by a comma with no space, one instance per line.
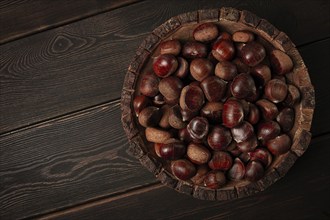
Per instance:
(23,35)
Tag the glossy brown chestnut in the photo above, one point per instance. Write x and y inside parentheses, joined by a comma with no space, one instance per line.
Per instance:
(254,114)
(286,119)
(232,113)
(192,98)
(165,65)
(198,128)
(172,151)
(253,53)
(175,118)
(243,86)
(237,171)
(261,74)
(214,179)
(242,132)
(223,50)
(281,62)
(262,155)
(248,145)
(243,36)
(254,171)
(219,138)
(157,147)
(220,160)
(184,135)
(276,90)
(206,32)
(164,123)
(170,87)
(183,169)
(223,36)
(188,115)
(158,100)
(198,154)
(268,109)
(268,130)
(200,68)
(279,145)
(156,135)
(150,116)
(139,103)
(149,85)
(214,88)
(198,179)
(213,112)
(182,70)
(226,70)
(170,47)
(194,49)
(245,157)
(240,65)
(293,96)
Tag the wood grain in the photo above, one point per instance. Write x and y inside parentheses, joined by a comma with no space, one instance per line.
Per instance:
(38,15)
(298,196)
(82,64)
(66,161)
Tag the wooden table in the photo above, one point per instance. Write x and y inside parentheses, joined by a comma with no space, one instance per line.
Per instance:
(62,146)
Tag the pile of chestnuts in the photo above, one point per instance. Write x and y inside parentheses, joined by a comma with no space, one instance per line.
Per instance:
(217,108)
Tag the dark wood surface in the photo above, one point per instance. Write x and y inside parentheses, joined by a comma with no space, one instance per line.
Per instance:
(62,147)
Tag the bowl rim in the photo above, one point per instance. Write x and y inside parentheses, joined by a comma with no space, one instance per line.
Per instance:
(299,77)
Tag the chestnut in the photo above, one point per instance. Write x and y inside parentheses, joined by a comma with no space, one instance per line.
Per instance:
(149,85)
(268,109)
(243,86)
(200,68)
(220,160)
(225,70)
(279,145)
(170,47)
(170,87)
(253,115)
(293,96)
(214,179)
(198,154)
(198,179)
(214,88)
(157,135)
(248,145)
(237,171)
(149,116)
(268,130)
(172,151)
(183,169)
(182,70)
(240,65)
(158,100)
(212,111)
(242,132)
(253,53)
(276,90)
(191,98)
(245,157)
(286,119)
(187,115)
(139,103)
(206,32)
(223,50)
(198,128)
(281,62)
(175,118)
(243,36)
(254,171)
(184,135)
(262,155)
(232,113)
(157,147)
(164,123)
(223,36)
(165,65)
(193,49)
(219,138)
(261,74)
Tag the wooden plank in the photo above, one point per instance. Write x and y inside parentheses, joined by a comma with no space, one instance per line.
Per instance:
(41,15)
(302,194)
(66,161)
(83,64)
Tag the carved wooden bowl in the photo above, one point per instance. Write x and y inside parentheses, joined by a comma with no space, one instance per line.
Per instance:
(230,20)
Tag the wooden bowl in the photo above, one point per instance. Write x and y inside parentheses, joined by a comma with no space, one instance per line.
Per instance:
(230,20)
